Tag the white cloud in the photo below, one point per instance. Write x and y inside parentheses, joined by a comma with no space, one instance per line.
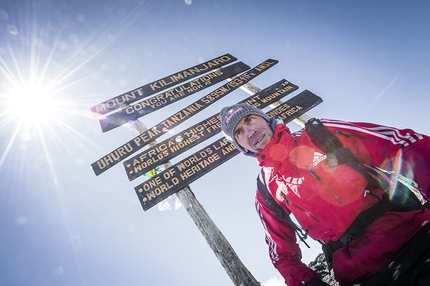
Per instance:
(274,281)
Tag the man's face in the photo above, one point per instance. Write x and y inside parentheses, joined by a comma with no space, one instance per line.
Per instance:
(253,133)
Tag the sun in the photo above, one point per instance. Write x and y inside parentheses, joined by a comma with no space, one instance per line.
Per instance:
(30,104)
(31,108)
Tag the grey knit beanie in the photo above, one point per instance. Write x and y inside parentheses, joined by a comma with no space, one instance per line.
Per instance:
(230,116)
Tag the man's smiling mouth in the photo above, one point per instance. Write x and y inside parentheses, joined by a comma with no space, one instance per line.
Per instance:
(258,139)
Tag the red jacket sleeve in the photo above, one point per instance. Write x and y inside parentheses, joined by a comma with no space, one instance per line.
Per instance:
(284,251)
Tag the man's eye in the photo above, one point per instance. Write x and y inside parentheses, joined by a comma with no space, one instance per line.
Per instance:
(249,119)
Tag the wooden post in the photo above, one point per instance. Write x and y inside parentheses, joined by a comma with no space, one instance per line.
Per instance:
(225,253)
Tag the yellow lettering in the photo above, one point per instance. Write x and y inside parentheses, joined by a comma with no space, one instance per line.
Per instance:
(101,164)
(228,149)
(177,77)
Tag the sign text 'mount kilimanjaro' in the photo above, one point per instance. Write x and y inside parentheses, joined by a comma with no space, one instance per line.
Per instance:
(147,106)
(203,161)
(159,85)
(175,145)
(164,126)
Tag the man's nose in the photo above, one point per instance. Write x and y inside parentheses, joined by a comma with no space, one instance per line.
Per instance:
(249,130)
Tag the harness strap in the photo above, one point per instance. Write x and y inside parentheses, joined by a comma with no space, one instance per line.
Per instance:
(356,229)
(335,151)
(280,212)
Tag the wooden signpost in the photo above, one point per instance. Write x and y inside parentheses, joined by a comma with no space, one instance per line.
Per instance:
(179,117)
(174,179)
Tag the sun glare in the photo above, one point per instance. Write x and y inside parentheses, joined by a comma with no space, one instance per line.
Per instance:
(30,104)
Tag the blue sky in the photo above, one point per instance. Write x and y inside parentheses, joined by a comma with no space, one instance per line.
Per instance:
(62,225)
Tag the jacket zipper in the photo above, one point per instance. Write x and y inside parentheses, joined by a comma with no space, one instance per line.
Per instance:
(300,208)
(325,186)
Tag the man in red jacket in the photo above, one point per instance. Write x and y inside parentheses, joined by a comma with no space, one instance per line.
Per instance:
(329,198)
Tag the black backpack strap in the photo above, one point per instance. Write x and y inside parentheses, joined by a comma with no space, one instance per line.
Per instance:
(268,199)
(377,177)
(356,229)
(336,153)
(280,212)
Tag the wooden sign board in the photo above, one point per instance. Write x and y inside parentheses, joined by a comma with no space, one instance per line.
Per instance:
(163,127)
(159,85)
(208,158)
(147,106)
